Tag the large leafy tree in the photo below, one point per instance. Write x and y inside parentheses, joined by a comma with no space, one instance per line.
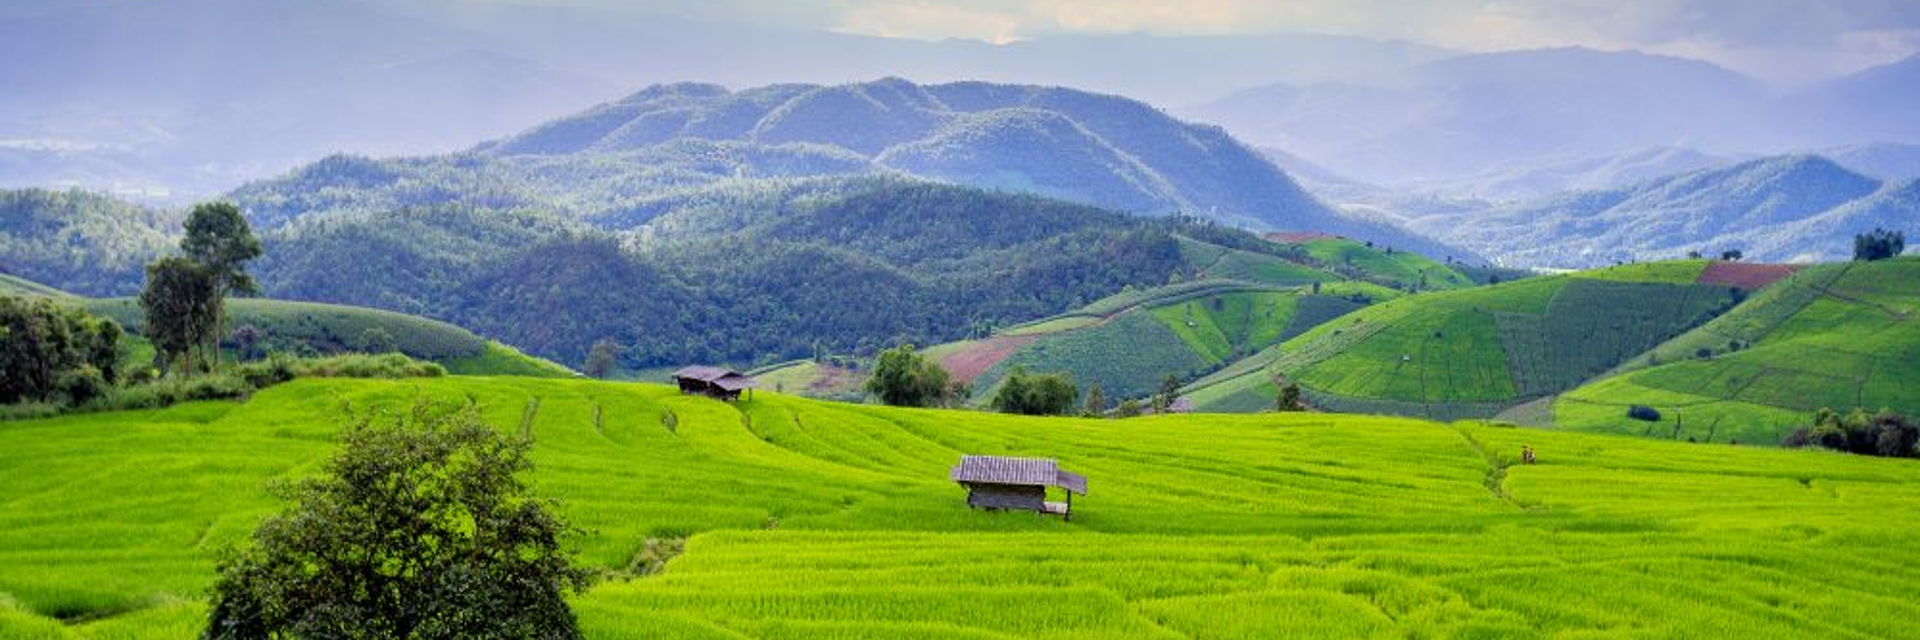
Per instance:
(903,378)
(220,240)
(421,528)
(179,302)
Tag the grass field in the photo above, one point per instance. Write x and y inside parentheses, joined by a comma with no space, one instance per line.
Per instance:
(816,520)
(1838,336)
(12,286)
(1398,267)
(1474,352)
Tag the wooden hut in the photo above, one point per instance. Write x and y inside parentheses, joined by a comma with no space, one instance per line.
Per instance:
(714,382)
(995,482)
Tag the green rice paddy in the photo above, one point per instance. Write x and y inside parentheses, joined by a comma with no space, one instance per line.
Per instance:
(1835,336)
(807,519)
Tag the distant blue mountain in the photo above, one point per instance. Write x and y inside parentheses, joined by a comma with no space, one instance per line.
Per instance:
(1786,208)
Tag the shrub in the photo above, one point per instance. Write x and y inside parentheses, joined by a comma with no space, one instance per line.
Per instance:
(1036,394)
(480,556)
(1643,413)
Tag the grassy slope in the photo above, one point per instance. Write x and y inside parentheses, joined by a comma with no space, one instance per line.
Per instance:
(1839,336)
(1473,352)
(1400,267)
(824,520)
(12,286)
(336,328)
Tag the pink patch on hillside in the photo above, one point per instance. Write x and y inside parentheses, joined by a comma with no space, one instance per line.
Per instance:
(969,363)
(1745,275)
(1297,237)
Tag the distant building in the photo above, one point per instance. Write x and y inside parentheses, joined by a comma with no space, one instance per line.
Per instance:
(715,382)
(995,482)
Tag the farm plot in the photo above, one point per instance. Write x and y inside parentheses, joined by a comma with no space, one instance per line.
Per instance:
(806,519)
(1834,336)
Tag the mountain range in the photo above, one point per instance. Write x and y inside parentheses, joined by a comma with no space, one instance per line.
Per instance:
(1799,208)
(1465,115)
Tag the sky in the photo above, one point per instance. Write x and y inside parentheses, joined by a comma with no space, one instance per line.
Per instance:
(1782,41)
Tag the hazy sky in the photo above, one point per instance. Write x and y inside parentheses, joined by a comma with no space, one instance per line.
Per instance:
(1779,40)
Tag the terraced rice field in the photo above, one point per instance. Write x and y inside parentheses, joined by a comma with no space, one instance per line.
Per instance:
(807,519)
(1399,266)
(1839,336)
(1474,352)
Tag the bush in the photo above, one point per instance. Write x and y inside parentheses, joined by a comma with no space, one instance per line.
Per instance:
(1036,394)
(1643,413)
(81,385)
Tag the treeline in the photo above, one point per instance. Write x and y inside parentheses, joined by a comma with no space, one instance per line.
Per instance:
(1884,434)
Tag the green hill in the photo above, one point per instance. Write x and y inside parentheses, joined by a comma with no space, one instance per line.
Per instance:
(1384,265)
(806,519)
(1835,336)
(320,329)
(1474,352)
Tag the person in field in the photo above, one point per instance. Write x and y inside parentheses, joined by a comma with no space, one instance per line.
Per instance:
(1526,454)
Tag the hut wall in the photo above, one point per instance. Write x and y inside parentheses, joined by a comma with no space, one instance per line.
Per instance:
(1006,496)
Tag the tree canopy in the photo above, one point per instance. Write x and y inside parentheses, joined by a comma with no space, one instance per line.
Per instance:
(1036,394)
(50,353)
(420,527)
(903,378)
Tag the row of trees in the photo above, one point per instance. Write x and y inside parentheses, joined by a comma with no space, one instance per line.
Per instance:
(1879,244)
(1885,434)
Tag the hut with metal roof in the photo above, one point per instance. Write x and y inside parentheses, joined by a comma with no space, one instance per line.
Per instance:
(996,482)
(715,382)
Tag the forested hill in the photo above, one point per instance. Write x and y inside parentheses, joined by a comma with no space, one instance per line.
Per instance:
(623,163)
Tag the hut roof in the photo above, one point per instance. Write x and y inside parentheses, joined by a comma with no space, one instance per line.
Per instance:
(1039,472)
(705,373)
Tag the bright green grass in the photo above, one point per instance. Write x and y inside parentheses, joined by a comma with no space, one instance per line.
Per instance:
(1473,352)
(1837,336)
(1127,356)
(1399,267)
(502,360)
(1054,324)
(1221,326)
(1670,272)
(820,520)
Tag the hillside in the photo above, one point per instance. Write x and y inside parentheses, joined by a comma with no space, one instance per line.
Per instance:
(1474,352)
(1242,301)
(810,519)
(1783,209)
(87,243)
(608,163)
(1838,336)
(307,328)
(748,273)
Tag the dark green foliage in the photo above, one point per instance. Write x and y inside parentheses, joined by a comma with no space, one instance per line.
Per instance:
(1036,394)
(80,242)
(1886,434)
(601,360)
(903,378)
(1168,393)
(1128,408)
(1879,244)
(421,527)
(1643,413)
(1096,404)
(1732,255)
(181,309)
(49,353)
(1289,399)
(219,239)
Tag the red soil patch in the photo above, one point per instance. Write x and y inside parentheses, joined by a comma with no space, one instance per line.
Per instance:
(977,359)
(1297,237)
(1745,275)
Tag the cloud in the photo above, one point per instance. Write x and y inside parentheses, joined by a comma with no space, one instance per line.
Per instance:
(1784,40)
